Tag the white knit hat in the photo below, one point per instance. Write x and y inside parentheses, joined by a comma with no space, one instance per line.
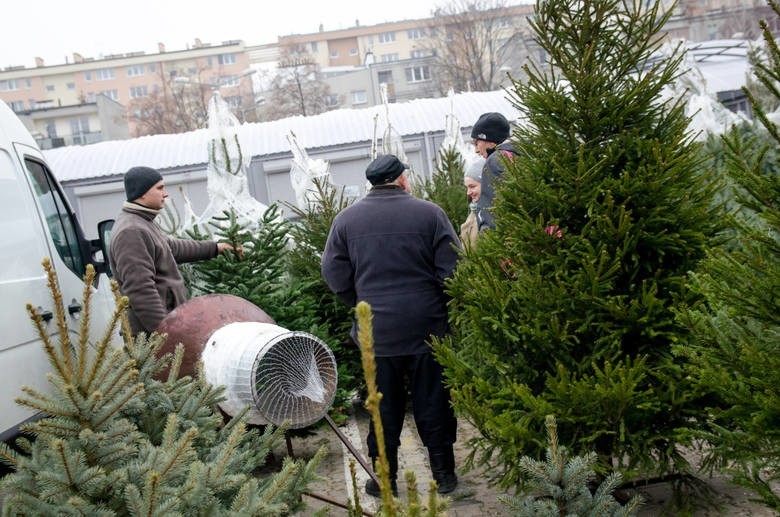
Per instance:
(474,169)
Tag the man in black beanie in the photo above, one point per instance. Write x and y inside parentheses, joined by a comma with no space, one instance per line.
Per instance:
(394,251)
(490,133)
(143,259)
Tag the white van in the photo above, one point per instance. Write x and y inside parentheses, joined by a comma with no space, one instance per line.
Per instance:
(36,221)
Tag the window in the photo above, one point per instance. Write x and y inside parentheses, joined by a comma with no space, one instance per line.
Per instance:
(353,52)
(192,70)
(387,58)
(331,101)
(334,54)
(60,220)
(152,68)
(386,37)
(502,23)
(51,129)
(226,59)
(8,85)
(313,47)
(88,75)
(17,106)
(49,87)
(415,34)
(138,91)
(90,96)
(27,83)
(71,86)
(416,74)
(234,101)
(385,77)
(111,94)
(359,97)
(229,80)
(79,127)
(135,70)
(32,103)
(24,239)
(417,54)
(104,74)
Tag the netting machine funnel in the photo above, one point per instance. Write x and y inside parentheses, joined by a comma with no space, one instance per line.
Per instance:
(283,376)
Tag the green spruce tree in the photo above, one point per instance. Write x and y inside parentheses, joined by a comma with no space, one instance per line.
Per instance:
(309,230)
(737,351)
(445,186)
(116,441)
(566,307)
(560,485)
(261,274)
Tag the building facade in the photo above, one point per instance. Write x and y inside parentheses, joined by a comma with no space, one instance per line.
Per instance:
(357,64)
(127,79)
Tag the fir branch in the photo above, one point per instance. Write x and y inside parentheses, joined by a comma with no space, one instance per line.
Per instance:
(119,404)
(59,313)
(51,352)
(86,297)
(366,340)
(175,366)
(280,481)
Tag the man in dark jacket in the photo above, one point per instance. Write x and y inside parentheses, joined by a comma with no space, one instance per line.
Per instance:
(490,133)
(143,259)
(394,252)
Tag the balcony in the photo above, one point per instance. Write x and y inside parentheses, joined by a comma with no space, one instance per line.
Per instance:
(61,141)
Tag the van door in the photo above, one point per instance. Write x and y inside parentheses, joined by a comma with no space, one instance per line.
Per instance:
(69,250)
(22,248)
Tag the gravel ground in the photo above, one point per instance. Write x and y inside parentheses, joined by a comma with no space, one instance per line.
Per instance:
(474,495)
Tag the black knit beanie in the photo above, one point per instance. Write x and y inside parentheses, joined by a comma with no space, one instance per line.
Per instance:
(138,180)
(491,127)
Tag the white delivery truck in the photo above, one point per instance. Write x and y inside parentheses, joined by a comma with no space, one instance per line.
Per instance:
(36,221)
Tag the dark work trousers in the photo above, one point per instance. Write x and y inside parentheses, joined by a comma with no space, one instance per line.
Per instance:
(433,413)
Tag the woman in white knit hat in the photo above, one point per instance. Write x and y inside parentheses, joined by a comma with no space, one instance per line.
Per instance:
(472,180)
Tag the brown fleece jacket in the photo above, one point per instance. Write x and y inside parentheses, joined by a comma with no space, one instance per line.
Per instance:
(144,260)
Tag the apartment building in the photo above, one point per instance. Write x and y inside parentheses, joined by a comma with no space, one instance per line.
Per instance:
(359,62)
(77,124)
(126,79)
(705,20)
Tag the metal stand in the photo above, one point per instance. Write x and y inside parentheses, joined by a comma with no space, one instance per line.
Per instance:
(355,453)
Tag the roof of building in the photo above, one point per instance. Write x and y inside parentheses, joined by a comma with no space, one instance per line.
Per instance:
(722,63)
(332,128)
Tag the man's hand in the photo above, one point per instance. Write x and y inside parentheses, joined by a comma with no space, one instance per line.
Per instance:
(225,246)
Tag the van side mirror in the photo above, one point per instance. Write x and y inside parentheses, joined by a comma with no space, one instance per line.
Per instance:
(101,244)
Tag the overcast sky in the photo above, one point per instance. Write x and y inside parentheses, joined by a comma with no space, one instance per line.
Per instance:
(54,29)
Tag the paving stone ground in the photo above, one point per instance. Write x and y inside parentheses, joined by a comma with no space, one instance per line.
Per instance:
(474,496)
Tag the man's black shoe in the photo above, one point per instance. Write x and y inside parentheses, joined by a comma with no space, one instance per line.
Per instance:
(372,488)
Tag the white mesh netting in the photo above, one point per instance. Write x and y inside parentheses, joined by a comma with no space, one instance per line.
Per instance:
(281,375)
(304,171)
(226,175)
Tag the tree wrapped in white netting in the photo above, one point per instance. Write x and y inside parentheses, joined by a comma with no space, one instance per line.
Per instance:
(303,173)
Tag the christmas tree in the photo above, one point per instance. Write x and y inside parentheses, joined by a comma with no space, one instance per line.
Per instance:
(560,485)
(566,307)
(737,353)
(445,187)
(261,274)
(309,231)
(115,441)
